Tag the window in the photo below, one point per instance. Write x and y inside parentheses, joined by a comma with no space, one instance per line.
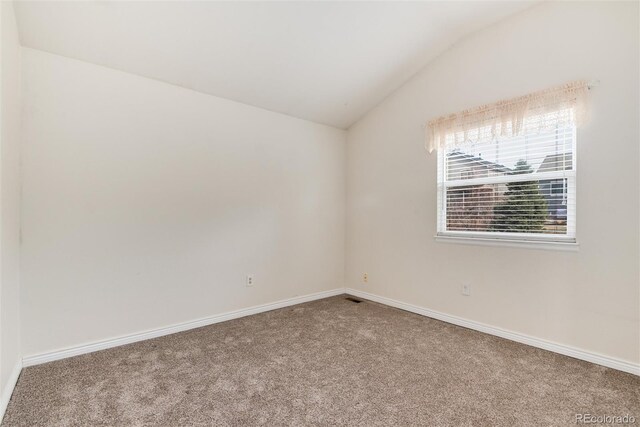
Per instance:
(519,187)
(507,170)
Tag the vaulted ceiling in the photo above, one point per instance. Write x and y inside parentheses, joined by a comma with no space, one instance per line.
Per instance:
(328,62)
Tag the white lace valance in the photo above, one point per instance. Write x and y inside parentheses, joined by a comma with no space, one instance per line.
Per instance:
(530,113)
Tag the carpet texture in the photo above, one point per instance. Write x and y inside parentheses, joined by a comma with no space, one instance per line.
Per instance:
(327,362)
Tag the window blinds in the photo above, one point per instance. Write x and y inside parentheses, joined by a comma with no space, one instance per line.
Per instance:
(515,187)
(508,170)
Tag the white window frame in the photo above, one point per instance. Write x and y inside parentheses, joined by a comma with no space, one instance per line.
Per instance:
(520,240)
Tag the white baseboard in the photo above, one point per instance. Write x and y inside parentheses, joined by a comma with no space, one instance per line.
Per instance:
(566,350)
(8,388)
(141,336)
(577,353)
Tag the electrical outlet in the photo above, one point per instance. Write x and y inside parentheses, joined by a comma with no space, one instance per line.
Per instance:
(466,289)
(365,278)
(250,280)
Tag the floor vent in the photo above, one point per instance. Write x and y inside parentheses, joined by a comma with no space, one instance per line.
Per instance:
(357,301)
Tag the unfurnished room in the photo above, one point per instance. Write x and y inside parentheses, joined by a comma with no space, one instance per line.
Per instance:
(319,213)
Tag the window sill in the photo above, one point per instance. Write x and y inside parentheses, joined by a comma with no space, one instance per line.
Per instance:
(527,244)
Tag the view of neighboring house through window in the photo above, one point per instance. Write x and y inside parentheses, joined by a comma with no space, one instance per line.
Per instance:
(519,187)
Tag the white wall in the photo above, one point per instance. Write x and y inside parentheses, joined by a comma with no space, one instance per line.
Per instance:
(10,352)
(146,204)
(589,299)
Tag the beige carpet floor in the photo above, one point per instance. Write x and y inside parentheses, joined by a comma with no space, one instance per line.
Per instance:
(327,362)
